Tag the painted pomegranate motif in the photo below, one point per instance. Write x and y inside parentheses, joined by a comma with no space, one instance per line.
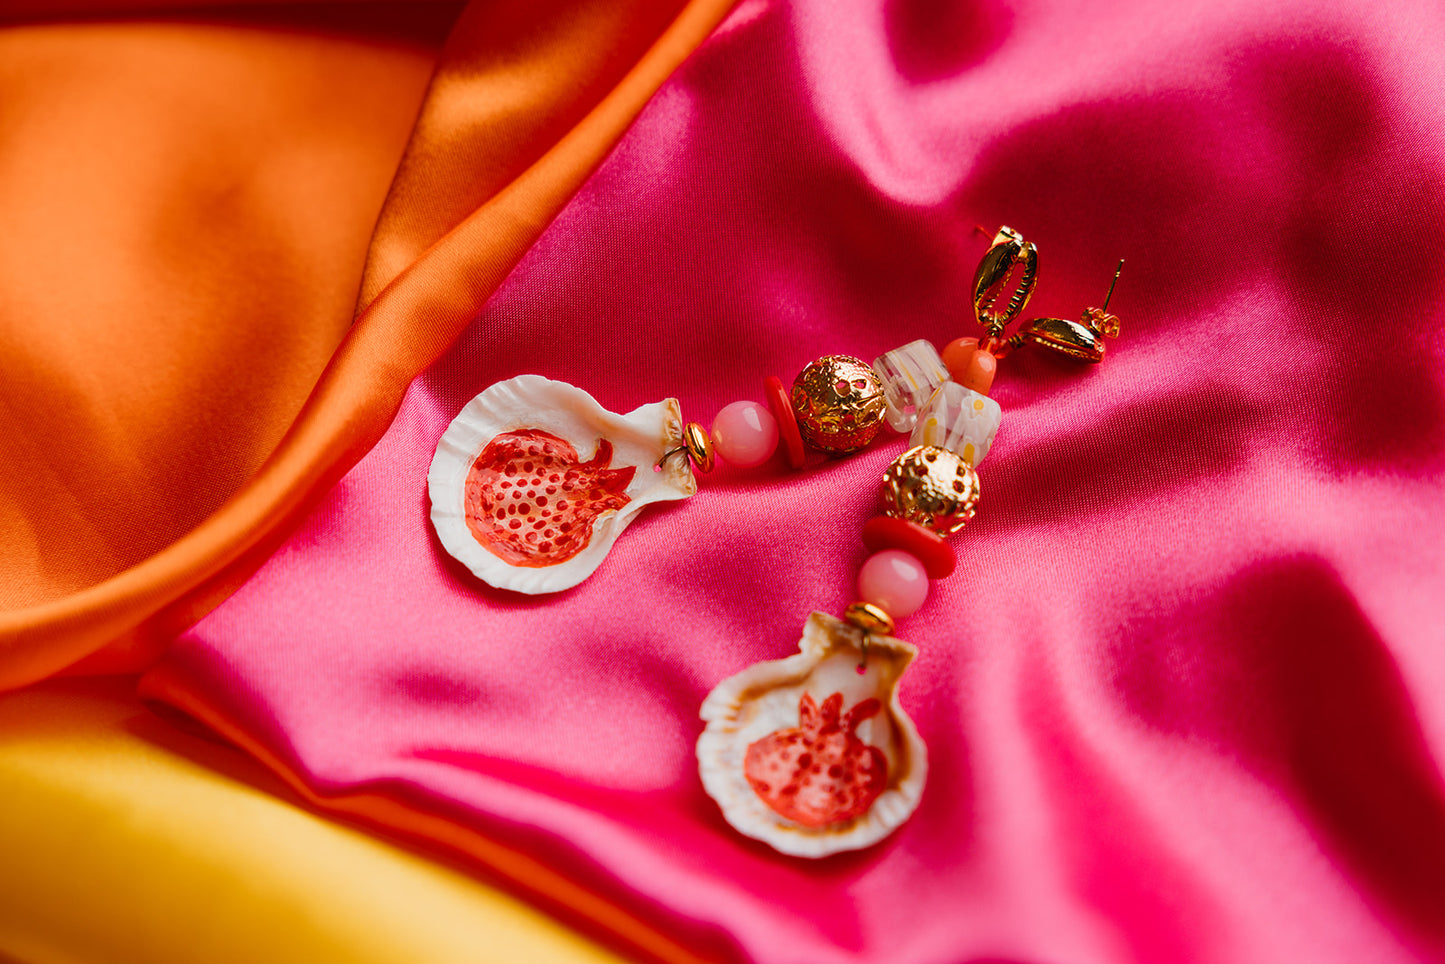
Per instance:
(819,772)
(531,503)
(512,501)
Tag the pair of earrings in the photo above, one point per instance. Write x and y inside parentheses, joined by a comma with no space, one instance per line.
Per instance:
(813,753)
(1082,339)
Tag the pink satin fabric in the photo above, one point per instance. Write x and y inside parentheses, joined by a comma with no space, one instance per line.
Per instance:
(1183,696)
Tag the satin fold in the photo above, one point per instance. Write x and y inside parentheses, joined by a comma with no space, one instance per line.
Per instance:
(515,79)
(392,813)
(182,247)
(143,599)
(1181,695)
(126,839)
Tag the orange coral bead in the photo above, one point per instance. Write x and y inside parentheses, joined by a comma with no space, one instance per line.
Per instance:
(956,356)
(980,372)
(782,408)
(969,365)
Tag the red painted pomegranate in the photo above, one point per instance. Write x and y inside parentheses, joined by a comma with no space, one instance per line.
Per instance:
(819,772)
(531,503)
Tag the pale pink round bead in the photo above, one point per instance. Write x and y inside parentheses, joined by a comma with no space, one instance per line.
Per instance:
(894,581)
(745,434)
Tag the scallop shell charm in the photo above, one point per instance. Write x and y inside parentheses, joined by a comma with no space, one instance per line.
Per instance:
(809,755)
(534,481)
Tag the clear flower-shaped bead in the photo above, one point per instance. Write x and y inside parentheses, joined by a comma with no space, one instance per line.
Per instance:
(960,420)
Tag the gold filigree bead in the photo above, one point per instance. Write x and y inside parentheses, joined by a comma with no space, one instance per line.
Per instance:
(869,618)
(933,487)
(839,402)
(698,445)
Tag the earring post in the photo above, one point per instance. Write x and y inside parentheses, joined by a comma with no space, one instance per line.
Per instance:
(1111,285)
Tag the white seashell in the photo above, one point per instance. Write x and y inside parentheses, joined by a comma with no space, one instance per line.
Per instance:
(762,707)
(545,452)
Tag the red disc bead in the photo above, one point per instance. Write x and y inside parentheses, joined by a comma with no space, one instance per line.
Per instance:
(885,532)
(782,408)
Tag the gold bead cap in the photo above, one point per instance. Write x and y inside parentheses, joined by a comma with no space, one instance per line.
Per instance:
(699,446)
(869,618)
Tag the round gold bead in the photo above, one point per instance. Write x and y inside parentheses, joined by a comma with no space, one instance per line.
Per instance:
(933,487)
(869,618)
(699,446)
(839,402)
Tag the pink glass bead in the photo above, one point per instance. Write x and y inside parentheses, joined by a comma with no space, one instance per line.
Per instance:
(745,434)
(894,581)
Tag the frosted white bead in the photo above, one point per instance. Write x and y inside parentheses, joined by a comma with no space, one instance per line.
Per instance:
(960,420)
(910,375)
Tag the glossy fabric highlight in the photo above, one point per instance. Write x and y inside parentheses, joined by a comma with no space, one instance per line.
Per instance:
(126,839)
(129,614)
(179,262)
(1179,696)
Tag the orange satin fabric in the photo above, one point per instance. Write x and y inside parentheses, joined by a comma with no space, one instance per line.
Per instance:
(187,211)
(517,78)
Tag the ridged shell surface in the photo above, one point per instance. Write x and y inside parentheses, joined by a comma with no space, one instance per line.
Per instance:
(809,755)
(533,481)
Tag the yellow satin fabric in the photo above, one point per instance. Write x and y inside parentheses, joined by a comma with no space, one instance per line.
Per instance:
(155,460)
(124,839)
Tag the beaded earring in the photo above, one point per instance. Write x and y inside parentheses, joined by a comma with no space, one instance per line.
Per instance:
(813,754)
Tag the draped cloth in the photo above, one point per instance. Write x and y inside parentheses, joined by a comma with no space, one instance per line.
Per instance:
(188,206)
(1181,697)
(128,839)
(156,450)
(191,201)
